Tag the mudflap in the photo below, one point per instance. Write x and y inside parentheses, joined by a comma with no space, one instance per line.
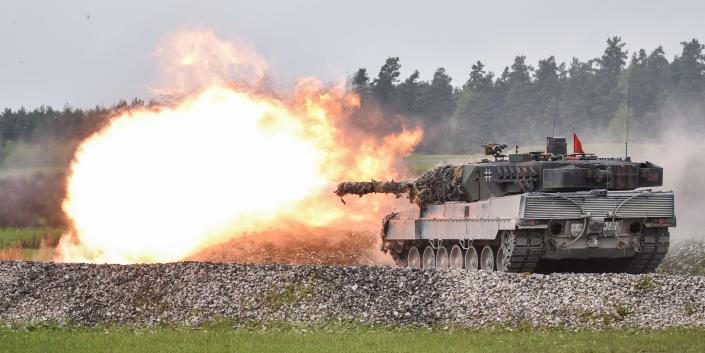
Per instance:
(383,231)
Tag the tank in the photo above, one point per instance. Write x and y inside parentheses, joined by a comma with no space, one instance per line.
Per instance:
(542,212)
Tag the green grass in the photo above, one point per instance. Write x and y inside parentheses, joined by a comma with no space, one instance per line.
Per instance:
(286,296)
(28,243)
(27,238)
(48,339)
(645,284)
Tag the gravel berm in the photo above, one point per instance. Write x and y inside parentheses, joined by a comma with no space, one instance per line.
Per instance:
(195,293)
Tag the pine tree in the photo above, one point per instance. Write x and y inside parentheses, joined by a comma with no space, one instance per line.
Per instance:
(689,67)
(383,85)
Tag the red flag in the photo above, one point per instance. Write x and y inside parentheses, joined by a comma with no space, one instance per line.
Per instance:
(577,145)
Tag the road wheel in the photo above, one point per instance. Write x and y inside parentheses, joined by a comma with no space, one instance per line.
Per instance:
(413,259)
(487,259)
(471,259)
(429,258)
(442,257)
(501,260)
(456,257)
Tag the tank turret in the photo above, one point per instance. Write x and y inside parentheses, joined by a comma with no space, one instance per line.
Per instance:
(550,171)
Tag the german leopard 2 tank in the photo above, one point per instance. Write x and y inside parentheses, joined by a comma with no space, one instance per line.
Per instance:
(531,212)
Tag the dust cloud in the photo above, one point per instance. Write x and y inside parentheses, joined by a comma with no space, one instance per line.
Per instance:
(680,152)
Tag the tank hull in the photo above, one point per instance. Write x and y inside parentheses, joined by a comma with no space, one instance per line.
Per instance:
(543,232)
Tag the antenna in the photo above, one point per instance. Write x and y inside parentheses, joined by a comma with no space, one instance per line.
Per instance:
(626,120)
(555,113)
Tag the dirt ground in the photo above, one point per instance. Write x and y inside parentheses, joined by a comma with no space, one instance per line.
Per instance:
(319,246)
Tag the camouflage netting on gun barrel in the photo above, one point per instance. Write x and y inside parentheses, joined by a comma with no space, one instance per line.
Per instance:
(369,187)
(438,185)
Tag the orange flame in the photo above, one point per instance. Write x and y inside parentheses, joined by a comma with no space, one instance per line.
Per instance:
(160,185)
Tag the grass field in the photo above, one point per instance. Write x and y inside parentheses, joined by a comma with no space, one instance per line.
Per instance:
(26,243)
(356,340)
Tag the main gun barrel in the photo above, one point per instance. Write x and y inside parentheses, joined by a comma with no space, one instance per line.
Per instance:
(441,184)
(371,187)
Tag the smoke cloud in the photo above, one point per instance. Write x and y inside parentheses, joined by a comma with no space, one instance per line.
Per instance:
(679,148)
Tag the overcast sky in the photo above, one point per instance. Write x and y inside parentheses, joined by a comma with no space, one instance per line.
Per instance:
(86,53)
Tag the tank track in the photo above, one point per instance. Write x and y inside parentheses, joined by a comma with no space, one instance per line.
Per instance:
(526,251)
(654,246)
(527,247)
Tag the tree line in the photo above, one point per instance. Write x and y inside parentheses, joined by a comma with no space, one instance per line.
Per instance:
(524,103)
(48,124)
(517,106)
(46,136)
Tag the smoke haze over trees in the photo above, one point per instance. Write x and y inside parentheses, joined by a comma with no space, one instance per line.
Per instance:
(519,105)
(516,106)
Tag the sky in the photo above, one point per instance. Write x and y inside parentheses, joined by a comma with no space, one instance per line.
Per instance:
(88,53)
